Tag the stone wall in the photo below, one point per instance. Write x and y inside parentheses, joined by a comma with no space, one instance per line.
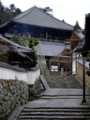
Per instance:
(35,90)
(13,93)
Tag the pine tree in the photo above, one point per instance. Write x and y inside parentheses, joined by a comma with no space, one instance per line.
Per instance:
(77,26)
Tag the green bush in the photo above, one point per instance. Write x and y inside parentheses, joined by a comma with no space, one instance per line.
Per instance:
(32,63)
(30,42)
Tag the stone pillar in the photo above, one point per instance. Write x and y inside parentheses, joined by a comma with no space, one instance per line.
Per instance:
(62,71)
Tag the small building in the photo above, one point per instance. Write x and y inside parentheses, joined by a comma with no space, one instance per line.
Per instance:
(55,58)
(78,34)
(77,41)
(13,53)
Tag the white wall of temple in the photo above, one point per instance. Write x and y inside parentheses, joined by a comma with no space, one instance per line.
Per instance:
(30,76)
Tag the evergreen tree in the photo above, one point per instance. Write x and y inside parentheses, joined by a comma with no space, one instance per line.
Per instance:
(77,26)
(12,7)
(8,13)
(17,11)
(47,9)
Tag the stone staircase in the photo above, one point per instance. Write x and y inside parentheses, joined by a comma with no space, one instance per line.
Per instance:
(56,104)
(55,113)
(62,81)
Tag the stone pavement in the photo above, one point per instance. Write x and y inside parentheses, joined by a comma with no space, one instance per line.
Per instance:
(65,97)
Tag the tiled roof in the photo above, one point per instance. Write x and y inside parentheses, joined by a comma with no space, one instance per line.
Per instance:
(80,34)
(36,16)
(17,68)
(15,46)
(5,65)
(50,48)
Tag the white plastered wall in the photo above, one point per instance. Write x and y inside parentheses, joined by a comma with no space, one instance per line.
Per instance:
(30,76)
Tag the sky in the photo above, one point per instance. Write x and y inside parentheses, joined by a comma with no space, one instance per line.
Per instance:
(68,10)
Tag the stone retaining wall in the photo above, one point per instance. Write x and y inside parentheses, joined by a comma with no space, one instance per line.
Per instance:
(13,93)
(35,90)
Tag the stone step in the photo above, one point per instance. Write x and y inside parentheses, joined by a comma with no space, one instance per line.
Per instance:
(50,113)
(42,107)
(58,81)
(57,108)
(53,110)
(72,96)
(54,117)
(62,113)
(63,97)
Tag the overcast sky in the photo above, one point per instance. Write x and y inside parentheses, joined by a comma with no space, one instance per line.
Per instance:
(69,10)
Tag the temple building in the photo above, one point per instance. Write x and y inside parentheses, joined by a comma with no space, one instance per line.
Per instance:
(51,31)
(38,24)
